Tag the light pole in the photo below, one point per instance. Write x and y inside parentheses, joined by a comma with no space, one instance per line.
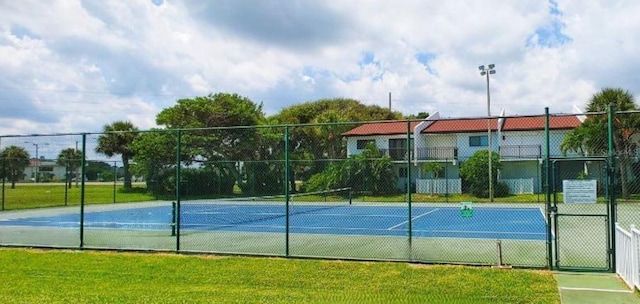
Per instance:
(37,162)
(486,71)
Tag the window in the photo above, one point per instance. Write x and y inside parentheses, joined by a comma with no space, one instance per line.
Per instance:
(478,141)
(363,143)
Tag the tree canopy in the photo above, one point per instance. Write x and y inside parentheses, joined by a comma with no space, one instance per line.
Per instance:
(71,159)
(14,160)
(117,139)
(590,138)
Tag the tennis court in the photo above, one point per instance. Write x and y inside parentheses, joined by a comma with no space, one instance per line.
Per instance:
(313,218)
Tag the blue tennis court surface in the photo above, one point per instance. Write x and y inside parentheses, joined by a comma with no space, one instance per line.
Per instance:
(486,222)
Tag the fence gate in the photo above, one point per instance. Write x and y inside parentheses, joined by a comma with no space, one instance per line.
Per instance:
(580,223)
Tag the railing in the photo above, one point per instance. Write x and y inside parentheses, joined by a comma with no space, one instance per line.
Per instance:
(521,151)
(519,185)
(627,252)
(397,153)
(439,186)
(437,153)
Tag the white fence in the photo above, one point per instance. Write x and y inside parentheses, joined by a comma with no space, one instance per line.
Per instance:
(439,186)
(519,185)
(627,252)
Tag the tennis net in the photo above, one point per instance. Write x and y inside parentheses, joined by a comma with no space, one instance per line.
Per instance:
(261,210)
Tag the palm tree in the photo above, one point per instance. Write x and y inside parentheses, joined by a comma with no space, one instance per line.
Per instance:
(14,160)
(71,159)
(117,139)
(625,126)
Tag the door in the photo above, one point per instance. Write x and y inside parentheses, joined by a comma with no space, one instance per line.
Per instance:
(580,214)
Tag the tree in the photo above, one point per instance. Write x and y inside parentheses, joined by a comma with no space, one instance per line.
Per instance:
(14,160)
(71,159)
(371,171)
(220,137)
(475,172)
(321,138)
(117,139)
(591,137)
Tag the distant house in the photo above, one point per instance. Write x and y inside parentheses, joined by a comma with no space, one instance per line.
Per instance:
(449,142)
(44,170)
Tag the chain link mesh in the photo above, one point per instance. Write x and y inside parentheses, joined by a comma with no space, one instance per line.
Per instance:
(469,191)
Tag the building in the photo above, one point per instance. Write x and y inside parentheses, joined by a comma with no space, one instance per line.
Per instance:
(519,141)
(44,170)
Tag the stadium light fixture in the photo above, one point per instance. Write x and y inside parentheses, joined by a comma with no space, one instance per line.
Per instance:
(490,69)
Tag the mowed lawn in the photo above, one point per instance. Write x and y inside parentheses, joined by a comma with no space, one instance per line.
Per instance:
(50,276)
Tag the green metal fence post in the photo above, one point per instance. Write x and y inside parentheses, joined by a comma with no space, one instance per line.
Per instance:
(178,182)
(4,178)
(547,190)
(286,187)
(82,187)
(612,193)
(115,180)
(409,185)
(66,181)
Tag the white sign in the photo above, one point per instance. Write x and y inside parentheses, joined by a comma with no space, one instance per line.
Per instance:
(579,191)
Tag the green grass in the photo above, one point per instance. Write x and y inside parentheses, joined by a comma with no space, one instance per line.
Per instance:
(32,276)
(27,196)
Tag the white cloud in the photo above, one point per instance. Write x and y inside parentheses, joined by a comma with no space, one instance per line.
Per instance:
(74,66)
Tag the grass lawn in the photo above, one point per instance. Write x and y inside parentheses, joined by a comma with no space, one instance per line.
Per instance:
(27,196)
(35,276)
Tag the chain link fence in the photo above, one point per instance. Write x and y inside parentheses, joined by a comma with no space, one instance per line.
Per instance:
(532,191)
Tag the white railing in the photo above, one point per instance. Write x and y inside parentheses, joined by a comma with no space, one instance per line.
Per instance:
(627,252)
(519,185)
(439,186)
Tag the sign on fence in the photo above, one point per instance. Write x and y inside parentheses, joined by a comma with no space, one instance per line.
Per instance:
(466,209)
(579,191)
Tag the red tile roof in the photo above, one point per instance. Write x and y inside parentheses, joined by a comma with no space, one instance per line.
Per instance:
(537,123)
(382,128)
(459,125)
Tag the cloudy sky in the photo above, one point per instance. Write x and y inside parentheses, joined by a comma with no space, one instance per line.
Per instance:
(74,66)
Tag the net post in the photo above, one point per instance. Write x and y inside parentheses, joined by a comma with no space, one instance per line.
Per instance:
(350,195)
(173,218)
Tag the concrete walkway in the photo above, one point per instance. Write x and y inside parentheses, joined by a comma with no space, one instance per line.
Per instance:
(601,288)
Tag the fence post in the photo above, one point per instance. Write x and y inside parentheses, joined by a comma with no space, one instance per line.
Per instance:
(612,195)
(410,228)
(82,188)
(547,188)
(286,187)
(178,182)
(4,178)
(635,256)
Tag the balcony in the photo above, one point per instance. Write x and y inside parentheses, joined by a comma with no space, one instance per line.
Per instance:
(397,153)
(521,151)
(447,153)
(440,153)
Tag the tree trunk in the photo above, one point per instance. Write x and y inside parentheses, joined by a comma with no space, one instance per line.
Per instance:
(623,156)
(127,175)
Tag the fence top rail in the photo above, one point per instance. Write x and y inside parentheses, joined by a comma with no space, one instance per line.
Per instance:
(305,124)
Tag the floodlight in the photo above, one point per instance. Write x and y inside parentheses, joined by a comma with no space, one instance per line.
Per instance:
(491,66)
(492,72)
(483,73)
(481,67)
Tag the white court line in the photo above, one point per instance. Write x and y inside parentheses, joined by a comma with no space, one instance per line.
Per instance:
(413,219)
(596,289)
(480,232)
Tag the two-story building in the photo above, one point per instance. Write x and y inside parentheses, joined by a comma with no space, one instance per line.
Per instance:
(448,142)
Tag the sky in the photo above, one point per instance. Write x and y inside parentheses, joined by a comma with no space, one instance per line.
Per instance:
(74,66)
